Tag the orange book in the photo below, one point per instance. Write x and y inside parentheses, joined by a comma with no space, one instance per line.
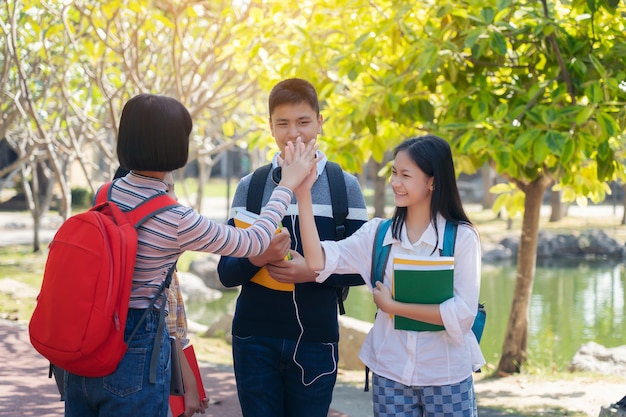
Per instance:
(244,218)
(177,403)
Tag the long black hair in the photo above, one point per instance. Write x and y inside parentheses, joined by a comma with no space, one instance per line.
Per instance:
(434,157)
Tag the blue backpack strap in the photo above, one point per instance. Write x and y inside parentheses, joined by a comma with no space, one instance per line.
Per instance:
(449,239)
(380,253)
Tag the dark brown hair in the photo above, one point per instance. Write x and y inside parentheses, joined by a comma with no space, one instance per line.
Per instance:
(293,91)
(153,134)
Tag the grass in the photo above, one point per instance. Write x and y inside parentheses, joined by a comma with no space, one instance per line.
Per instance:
(216,187)
(21,271)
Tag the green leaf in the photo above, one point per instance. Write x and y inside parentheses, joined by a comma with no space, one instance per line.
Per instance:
(610,5)
(503,160)
(591,4)
(370,122)
(472,37)
(608,125)
(428,56)
(487,14)
(540,149)
(594,92)
(555,142)
(500,112)
(605,167)
(479,111)
(568,152)
(426,110)
(584,114)
(548,115)
(392,102)
(526,139)
(497,42)
(604,151)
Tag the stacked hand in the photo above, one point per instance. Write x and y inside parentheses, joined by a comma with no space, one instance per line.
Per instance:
(300,160)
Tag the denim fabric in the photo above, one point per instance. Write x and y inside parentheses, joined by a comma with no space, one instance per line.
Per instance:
(271,384)
(127,391)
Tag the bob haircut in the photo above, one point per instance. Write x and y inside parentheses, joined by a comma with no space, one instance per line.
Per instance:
(293,91)
(433,157)
(153,134)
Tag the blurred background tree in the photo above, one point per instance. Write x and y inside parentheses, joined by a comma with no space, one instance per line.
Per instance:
(531,92)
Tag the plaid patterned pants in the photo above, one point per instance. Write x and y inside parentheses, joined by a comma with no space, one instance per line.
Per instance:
(393,399)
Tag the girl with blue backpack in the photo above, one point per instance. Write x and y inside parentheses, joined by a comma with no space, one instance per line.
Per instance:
(415,373)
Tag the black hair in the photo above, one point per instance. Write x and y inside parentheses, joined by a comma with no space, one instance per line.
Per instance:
(293,91)
(434,157)
(153,134)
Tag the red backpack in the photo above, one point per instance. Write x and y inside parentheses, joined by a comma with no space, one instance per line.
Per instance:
(78,322)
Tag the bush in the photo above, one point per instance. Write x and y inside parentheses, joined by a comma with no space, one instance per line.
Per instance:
(81,198)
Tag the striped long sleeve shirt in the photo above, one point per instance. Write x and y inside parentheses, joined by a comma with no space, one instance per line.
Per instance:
(164,237)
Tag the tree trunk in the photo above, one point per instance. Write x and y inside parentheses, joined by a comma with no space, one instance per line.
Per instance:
(380,187)
(516,338)
(624,203)
(557,209)
(488,175)
(202,175)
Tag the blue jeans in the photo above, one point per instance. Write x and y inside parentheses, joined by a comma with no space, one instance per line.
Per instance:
(127,391)
(271,384)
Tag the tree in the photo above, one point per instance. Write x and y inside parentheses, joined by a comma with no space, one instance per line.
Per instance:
(70,66)
(200,52)
(45,134)
(533,89)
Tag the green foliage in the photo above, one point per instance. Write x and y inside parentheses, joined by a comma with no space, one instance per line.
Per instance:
(81,197)
(535,94)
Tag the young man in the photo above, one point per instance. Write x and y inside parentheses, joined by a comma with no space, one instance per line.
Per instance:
(285,335)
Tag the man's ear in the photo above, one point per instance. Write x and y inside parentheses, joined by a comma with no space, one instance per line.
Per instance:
(320,122)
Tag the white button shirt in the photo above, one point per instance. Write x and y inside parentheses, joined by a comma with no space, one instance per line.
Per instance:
(409,357)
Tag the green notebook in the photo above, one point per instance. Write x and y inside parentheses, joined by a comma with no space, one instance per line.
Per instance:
(421,280)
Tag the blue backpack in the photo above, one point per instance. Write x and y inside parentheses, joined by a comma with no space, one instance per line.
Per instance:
(380,256)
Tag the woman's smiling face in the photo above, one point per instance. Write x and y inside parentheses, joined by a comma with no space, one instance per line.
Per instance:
(409,183)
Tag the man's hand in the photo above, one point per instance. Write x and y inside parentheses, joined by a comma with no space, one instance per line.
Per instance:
(293,271)
(276,251)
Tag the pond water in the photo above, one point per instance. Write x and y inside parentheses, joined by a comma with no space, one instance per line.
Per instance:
(573,302)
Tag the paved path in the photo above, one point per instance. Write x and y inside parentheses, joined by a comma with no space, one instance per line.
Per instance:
(25,389)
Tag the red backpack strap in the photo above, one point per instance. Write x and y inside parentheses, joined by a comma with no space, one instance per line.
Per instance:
(103,193)
(152,206)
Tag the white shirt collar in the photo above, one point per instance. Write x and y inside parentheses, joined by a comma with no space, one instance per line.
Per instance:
(429,237)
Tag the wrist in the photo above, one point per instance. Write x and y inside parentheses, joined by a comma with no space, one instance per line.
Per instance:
(303,196)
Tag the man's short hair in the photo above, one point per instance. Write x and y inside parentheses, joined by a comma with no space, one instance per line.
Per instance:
(293,91)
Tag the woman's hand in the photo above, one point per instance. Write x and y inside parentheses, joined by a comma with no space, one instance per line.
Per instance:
(299,160)
(382,297)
